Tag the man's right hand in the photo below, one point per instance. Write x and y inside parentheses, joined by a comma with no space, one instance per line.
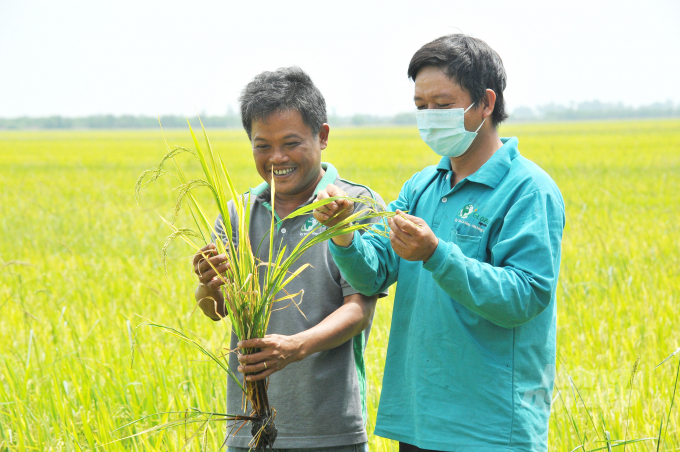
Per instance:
(207,264)
(334,212)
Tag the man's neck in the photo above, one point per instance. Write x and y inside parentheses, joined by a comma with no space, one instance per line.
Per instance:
(481,150)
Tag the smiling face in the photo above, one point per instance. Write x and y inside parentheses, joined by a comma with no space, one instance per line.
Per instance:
(285,143)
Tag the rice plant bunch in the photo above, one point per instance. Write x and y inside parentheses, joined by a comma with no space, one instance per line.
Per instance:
(248,304)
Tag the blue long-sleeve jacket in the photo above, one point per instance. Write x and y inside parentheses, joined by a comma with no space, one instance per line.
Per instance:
(471,356)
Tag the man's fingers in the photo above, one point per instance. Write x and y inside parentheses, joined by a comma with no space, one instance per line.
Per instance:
(332,190)
(325,213)
(254,368)
(408,223)
(336,210)
(343,204)
(259,366)
(253,358)
(252,343)
(209,264)
(216,282)
(208,250)
(395,227)
(331,207)
(405,226)
(256,363)
(396,242)
(209,273)
(260,376)
(321,216)
(412,218)
(327,208)
(201,260)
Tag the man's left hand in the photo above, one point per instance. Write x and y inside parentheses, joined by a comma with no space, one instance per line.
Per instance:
(276,352)
(411,238)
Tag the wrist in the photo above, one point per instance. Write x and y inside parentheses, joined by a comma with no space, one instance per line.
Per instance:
(433,248)
(301,349)
(343,240)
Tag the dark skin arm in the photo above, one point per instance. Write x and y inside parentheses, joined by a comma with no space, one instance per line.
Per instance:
(277,351)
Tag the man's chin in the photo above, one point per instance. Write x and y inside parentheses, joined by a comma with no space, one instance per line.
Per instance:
(284,186)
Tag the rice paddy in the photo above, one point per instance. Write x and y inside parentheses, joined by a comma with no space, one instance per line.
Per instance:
(79,258)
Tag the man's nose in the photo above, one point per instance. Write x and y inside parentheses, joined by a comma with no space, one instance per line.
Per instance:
(279,155)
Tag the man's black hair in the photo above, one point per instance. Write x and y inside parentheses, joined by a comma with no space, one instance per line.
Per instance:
(468,61)
(288,88)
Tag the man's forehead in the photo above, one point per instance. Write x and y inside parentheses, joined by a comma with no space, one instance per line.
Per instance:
(278,115)
(434,84)
(281,125)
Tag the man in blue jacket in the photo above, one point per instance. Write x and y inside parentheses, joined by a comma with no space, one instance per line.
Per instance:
(475,248)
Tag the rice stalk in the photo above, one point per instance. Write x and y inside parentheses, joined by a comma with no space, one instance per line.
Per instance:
(182,191)
(630,393)
(158,171)
(675,387)
(140,181)
(185,232)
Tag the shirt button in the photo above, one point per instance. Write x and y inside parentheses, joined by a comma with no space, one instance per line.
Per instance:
(444,200)
(283,230)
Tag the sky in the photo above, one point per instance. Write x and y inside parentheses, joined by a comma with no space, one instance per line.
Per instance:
(78,58)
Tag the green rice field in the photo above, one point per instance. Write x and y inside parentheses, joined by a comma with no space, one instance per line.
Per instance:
(79,259)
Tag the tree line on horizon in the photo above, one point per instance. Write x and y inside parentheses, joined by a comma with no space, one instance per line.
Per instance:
(592,110)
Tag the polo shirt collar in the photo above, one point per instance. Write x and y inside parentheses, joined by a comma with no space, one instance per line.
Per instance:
(330,177)
(495,168)
(444,164)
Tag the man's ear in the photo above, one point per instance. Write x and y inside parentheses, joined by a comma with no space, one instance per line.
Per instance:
(323,135)
(489,103)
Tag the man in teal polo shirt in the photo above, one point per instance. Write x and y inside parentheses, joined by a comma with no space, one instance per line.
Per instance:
(471,356)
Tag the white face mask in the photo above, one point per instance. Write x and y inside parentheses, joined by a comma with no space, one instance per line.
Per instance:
(444,130)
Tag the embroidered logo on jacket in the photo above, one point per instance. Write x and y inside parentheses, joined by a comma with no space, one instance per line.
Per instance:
(470,211)
(467,211)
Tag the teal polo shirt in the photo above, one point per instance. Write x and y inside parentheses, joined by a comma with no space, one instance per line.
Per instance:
(471,357)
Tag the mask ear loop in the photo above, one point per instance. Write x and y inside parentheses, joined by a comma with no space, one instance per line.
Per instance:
(480,126)
(466,110)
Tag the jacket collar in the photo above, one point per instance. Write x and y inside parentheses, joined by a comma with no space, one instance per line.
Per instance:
(493,171)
